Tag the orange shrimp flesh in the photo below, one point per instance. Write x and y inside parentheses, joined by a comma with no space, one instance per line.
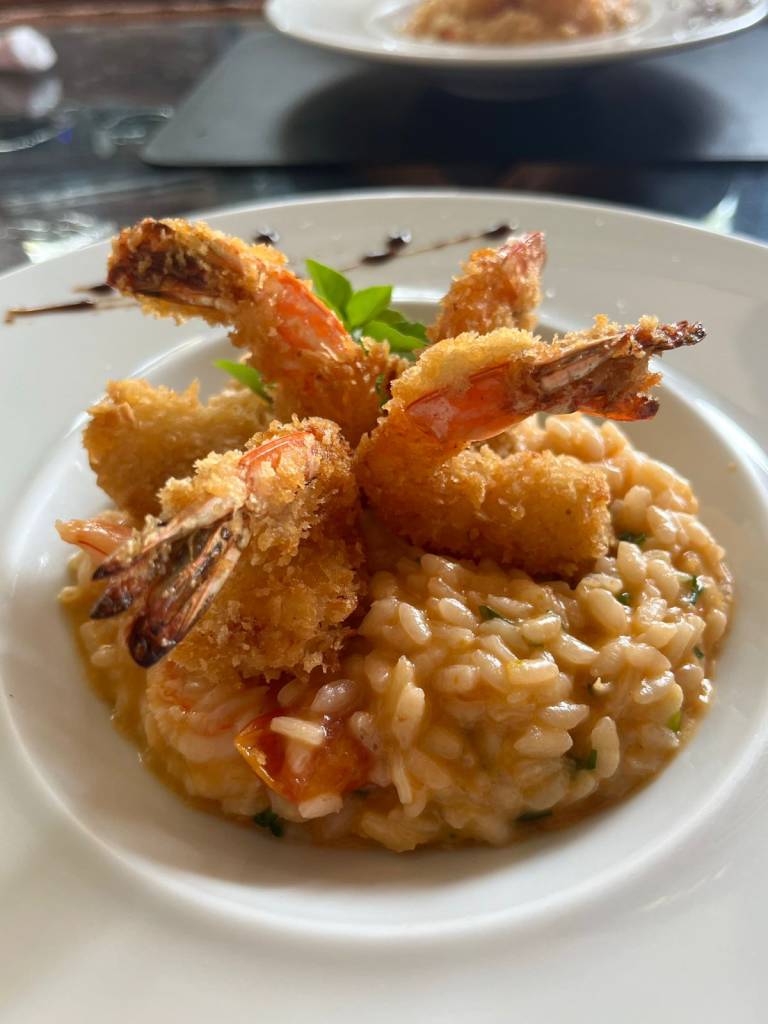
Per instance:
(607,377)
(181,270)
(186,269)
(178,567)
(539,512)
(98,537)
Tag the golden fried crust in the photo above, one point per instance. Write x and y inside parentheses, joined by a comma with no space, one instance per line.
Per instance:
(543,513)
(285,606)
(496,288)
(275,618)
(180,270)
(536,511)
(348,393)
(139,436)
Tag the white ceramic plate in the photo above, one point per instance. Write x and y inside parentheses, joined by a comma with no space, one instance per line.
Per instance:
(373,29)
(120,903)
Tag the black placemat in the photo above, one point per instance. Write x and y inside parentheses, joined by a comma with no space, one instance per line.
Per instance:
(271,102)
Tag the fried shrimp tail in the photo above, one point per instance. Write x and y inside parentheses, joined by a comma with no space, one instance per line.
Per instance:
(607,376)
(496,288)
(184,270)
(255,523)
(543,513)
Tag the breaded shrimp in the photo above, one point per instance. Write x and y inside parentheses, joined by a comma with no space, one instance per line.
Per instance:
(182,270)
(496,288)
(253,568)
(139,436)
(542,513)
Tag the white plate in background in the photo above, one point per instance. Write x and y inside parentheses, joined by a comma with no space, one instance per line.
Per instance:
(119,902)
(373,29)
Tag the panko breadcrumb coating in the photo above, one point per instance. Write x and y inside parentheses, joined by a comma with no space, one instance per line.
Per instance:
(496,288)
(182,270)
(263,544)
(140,436)
(285,606)
(542,513)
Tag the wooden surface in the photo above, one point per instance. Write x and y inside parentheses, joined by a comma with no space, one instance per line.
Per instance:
(56,12)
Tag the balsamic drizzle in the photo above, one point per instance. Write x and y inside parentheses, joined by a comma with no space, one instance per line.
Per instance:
(396,245)
(96,289)
(266,237)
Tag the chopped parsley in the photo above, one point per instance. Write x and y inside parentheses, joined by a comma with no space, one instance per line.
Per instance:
(675,721)
(624,598)
(698,652)
(268,819)
(534,815)
(488,614)
(590,763)
(696,589)
(634,538)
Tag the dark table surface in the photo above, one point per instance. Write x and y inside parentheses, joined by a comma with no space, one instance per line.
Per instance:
(71,169)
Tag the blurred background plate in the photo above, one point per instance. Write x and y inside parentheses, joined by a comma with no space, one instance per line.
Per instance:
(374,30)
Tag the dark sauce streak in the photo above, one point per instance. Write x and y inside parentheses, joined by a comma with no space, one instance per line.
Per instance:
(103,301)
(81,306)
(266,237)
(95,289)
(382,256)
(500,231)
(398,241)
(393,246)
(397,245)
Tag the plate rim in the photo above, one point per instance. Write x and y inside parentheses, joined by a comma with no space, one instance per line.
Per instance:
(511,59)
(595,206)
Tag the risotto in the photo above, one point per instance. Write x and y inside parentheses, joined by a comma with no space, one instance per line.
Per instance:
(485,703)
(519,21)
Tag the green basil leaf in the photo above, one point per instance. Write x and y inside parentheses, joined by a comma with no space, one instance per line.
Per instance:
(365,305)
(402,344)
(247,375)
(413,330)
(330,286)
(391,316)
